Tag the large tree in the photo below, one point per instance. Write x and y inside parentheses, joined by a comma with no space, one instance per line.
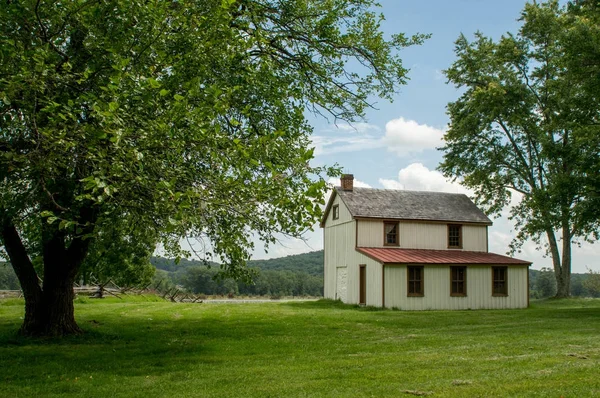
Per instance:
(183,117)
(527,124)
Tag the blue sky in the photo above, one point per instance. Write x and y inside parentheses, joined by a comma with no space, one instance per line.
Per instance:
(395,147)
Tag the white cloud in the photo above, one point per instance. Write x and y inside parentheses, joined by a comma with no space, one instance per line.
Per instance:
(346,138)
(325,145)
(402,136)
(407,136)
(356,127)
(417,177)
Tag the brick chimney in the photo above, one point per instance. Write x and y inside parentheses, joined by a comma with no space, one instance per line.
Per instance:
(347,182)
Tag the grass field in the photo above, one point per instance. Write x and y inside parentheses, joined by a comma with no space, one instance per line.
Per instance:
(140,348)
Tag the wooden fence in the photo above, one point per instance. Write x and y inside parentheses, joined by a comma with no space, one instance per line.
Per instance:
(109,288)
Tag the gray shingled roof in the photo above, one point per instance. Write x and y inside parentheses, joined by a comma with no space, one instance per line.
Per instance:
(411,205)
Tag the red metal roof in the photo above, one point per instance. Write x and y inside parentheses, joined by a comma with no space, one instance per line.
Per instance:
(421,256)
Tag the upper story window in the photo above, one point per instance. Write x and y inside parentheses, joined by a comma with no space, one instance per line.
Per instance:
(336,212)
(454,236)
(458,281)
(415,281)
(499,281)
(390,233)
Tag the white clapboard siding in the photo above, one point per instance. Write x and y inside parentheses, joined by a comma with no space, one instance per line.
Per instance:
(475,238)
(423,236)
(419,235)
(437,289)
(338,242)
(342,262)
(344,215)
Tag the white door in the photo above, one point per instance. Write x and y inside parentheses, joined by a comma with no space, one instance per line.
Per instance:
(341,285)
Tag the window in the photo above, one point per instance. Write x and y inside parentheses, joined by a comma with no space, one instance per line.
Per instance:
(458,281)
(390,232)
(415,281)
(336,212)
(499,281)
(454,236)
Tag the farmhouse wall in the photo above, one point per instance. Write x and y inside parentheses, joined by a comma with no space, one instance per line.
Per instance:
(437,289)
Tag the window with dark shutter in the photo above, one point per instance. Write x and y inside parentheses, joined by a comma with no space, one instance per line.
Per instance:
(336,212)
(499,281)
(454,236)
(458,281)
(390,234)
(415,281)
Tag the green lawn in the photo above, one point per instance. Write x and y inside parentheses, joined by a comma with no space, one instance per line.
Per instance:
(152,349)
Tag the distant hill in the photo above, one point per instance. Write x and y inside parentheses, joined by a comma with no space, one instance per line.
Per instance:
(169,264)
(310,263)
(297,275)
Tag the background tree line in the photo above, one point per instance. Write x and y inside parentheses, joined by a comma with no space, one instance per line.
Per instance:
(542,284)
(297,275)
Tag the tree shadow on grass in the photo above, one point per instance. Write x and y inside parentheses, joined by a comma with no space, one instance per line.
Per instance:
(134,349)
(139,345)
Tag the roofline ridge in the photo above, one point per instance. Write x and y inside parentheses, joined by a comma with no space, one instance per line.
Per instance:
(339,188)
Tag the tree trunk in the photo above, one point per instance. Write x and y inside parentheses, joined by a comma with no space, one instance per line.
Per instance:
(49,310)
(53,314)
(562,266)
(28,279)
(59,310)
(555,254)
(34,315)
(60,270)
(564,290)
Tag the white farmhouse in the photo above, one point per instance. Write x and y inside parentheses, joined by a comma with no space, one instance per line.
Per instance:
(415,251)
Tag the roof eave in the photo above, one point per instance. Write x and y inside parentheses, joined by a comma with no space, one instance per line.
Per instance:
(328,208)
(358,249)
(486,223)
(373,257)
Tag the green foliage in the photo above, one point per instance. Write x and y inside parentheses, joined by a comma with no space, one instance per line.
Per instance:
(297,275)
(592,283)
(527,124)
(8,279)
(320,349)
(544,284)
(187,116)
(166,119)
(162,280)
(121,254)
(310,263)
(172,265)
